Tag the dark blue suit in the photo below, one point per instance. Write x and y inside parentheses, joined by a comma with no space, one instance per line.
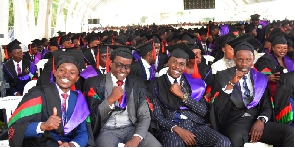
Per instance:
(81,135)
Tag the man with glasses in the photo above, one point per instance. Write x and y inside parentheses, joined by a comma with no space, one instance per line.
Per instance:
(119,111)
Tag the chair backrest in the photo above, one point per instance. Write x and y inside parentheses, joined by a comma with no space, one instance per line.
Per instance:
(163,71)
(41,63)
(29,85)
(208,58)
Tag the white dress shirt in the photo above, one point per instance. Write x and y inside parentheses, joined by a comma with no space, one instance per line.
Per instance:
(105,70)
(92,52)
(20,63)
(146,66)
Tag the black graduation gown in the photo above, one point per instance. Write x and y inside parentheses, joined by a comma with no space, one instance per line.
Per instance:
(227,108)
(12,78)
(49,99)
(203,51)
(47,55)
(88,57)
(138,70)
(284,91)
(163,58)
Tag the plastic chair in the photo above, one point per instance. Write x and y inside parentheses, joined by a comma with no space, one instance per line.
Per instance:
(208,58)
(29,85)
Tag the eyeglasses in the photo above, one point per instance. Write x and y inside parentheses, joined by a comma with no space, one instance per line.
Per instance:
(120,66)
(181,64)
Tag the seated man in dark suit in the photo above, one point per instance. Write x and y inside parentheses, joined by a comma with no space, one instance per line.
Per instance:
(117,101)
(144,68)
(17,71)
(241,107)
(53,115)
(179,106)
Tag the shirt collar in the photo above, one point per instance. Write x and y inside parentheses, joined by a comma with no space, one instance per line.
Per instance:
(20,62)
(145,63)
(61,92)
(172,79)
(114,79)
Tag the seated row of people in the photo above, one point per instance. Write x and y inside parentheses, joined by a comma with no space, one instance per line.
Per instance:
(181,102)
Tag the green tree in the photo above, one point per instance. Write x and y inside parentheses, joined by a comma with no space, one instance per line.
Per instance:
(11,15)
(142,19)
(36,10)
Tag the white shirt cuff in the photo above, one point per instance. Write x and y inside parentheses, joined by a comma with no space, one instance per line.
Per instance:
(75,143)
(266,118)
(38,130)
(112,106)
(172,128)
(15,93)
(138,136)
(227,91)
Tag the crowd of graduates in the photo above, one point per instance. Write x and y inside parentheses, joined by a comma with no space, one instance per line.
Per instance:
(151,86)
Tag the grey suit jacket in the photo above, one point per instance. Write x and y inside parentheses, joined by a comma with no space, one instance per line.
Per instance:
(137,107)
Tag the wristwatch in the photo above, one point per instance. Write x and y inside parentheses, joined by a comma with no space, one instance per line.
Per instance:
(230,83)
(185,97)
(262,119)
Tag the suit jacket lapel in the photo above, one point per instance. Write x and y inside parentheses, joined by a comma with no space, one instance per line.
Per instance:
(223,79)
(53,100)
(109,85)
(89,57)
(128,88)
(11,67)
(143,72)
(25,67)
(71,104)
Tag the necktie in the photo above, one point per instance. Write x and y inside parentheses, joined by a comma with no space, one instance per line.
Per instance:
(120,83)
(175,81)
(151,72)
(64,108)
(19,71)
(103,71)
(32,59)
(247,91)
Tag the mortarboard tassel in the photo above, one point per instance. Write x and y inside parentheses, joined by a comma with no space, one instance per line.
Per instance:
(163,46)
(58,40)
(79,40)
(112,40)
(73,87)
(53,66)
(6,53)
(107,61)
(97,59)
(30,49)
(196,73)
(154,54)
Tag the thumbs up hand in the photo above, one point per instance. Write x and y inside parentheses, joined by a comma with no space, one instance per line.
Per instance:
(52,122)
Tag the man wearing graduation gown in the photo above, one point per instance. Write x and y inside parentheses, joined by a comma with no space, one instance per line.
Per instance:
(91,52)
(241,107)
(144,68)
(45,47)
(117,102)
(53,46)
(260,27)
(65,42)
(17,71)
(33,54)
(53,115)
(179,107)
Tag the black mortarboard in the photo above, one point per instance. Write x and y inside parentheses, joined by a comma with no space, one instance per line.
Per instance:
(120,39)
(192,44)
(255,17)
(63,39)
(107,40)
(53,41)
(130,38)
(245,42)
(122,51)
(222,40)
(275,31)
(154,36)
(186,36)
(43,40)
(103,49)
(279,38)
(13,45)
(249,28)
(145,48)
(181,51)
(91,37)
(212,27)
(69,56)
(285,22)
(202,31)
(36,42)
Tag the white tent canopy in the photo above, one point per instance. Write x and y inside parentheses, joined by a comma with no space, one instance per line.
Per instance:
(123,12)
